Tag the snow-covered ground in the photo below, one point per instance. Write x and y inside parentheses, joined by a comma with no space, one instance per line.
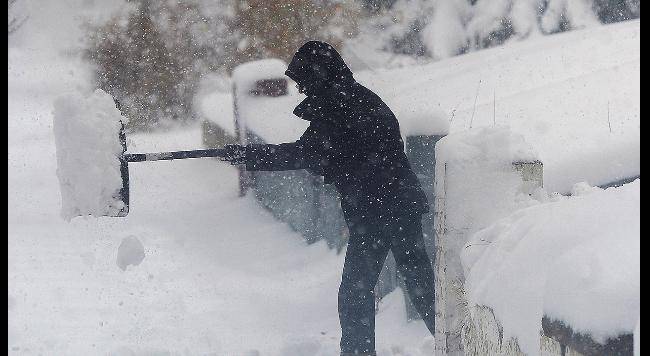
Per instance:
(220,276)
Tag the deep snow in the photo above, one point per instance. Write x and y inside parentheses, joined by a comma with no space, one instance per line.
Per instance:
(220,276)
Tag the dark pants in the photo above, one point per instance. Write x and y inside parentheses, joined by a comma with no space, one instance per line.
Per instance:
(364,260)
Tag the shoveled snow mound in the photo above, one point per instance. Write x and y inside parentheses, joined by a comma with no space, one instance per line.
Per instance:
(575,259)
(87,149)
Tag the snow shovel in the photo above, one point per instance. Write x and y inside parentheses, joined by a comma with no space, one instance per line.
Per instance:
(125,158)
(93,167)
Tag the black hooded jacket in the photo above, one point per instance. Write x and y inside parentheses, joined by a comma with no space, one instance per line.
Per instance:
(353,141)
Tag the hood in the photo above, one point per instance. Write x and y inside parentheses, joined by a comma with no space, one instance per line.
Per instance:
(317,66)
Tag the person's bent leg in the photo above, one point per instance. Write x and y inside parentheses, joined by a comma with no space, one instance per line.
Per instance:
(414,265)
(364,260)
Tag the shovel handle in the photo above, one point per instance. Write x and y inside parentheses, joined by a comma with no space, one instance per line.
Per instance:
(166,156)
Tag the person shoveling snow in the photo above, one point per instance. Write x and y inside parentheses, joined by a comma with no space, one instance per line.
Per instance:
(354,142)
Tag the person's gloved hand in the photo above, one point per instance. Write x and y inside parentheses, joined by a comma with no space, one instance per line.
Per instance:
(235,154)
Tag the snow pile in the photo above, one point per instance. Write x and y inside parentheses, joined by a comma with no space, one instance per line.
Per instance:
(86,132)
(572,259)
(130,252)
(608,159)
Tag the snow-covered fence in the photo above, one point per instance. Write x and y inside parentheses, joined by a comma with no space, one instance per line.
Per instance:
(485,190)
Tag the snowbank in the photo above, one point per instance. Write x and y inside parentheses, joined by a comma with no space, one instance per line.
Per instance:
(572,259)
(86,136)
(610,159)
